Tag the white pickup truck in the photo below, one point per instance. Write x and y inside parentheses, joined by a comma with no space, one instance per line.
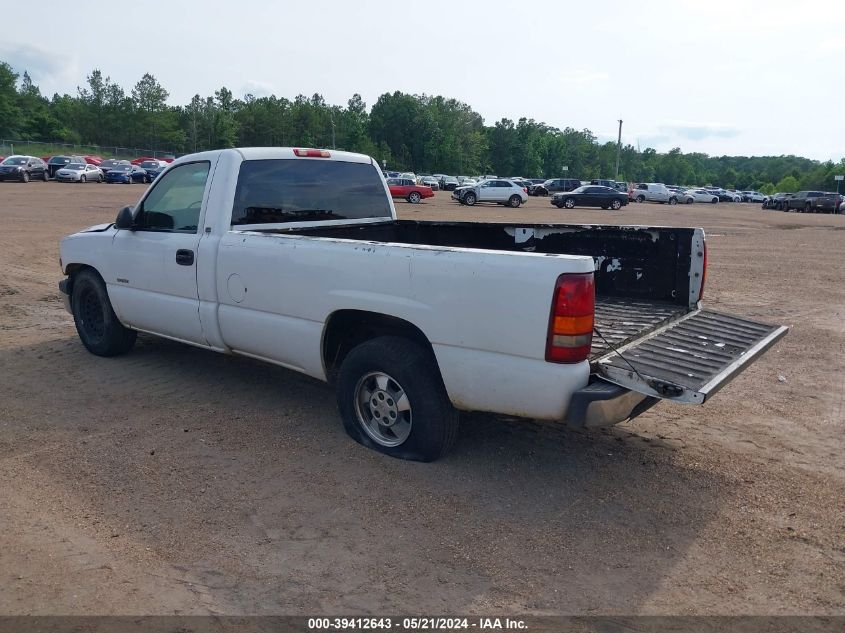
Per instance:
(295,257)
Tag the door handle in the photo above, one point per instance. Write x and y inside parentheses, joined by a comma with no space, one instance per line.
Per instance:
(185,257)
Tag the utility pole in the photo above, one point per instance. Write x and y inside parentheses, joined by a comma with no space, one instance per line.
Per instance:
(618,150)
(331,118)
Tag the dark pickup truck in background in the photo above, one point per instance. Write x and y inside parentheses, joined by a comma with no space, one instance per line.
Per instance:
(812,202)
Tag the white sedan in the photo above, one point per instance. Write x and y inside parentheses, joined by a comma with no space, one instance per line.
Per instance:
(699,195)
(79,172)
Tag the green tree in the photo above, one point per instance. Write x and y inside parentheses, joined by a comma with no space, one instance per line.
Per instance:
(10,114)
(789,184)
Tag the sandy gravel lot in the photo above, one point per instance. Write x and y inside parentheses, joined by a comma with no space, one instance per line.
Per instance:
(175,480)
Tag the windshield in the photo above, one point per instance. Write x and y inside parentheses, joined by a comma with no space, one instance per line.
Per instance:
(579,190)
(285,190)
(149,165)
(122,168)
(450,179)
(59,160)
(75,166)
(15,160)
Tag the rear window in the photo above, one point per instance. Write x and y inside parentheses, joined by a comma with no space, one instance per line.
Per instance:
(291,190)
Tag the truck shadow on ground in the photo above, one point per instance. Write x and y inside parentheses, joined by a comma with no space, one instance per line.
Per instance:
(239,476)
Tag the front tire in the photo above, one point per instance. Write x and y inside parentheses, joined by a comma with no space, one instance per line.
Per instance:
(414,197)
(98,327)
(569,203)
(25,176)
(469,199)
(514,202)
(83,179)
(392,400)
(673,201)
(640,198)
(45,176)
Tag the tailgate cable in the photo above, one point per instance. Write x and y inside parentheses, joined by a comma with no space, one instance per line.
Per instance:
(613,348)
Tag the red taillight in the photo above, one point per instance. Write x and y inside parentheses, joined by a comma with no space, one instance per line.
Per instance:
(703,272)
(312,153)
(570,333)
(525,189)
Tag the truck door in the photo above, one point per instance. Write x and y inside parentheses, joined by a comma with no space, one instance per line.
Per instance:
(155,264)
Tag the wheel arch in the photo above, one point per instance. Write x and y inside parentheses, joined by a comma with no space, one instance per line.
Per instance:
(345,329)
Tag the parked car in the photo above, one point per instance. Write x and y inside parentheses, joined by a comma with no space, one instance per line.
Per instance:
(374,306)
(409,190)
(775,201)
(654,192)
(153,168)
(127,174)
(724,195)
(448,183)
(752,196)
(698,195)
(812,202)
(23,168)
(80,172)
(55,163)
(110,163)
(430,181)
(93,160)
(603,182)
(590,196)
(498,191)
(553,185)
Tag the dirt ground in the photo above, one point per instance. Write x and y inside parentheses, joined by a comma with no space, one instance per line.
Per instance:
(175,480)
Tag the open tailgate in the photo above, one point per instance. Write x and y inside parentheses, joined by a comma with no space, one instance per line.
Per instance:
(689,359)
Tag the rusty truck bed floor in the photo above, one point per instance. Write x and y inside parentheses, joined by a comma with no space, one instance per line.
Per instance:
(620,321)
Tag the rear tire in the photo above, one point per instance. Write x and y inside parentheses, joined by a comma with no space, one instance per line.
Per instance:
(673,201)
(45,176)
(616,205)
(414,197)
(98,327)
(392,399)
(808,208)
(514,202)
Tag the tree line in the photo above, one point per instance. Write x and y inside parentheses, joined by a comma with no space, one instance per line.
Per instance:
(420,133)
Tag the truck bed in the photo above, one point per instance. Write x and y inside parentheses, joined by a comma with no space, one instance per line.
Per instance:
(619,321)
(650,334)
(642,273)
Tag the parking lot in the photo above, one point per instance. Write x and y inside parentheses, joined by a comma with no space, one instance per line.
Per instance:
(176,480)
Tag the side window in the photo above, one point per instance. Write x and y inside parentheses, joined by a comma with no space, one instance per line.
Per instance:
(174,202)
(644,187)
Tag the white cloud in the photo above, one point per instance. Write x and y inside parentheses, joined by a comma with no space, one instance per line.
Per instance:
(257,88)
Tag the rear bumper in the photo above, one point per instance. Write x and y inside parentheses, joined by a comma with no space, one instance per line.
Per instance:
(604,404)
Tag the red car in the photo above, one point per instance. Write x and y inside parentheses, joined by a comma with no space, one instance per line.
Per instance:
(408,189)
(93,160)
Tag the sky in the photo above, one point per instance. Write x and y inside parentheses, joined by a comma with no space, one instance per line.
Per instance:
(715,76)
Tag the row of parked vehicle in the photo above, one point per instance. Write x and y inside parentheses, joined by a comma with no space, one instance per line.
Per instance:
(80,169)
(806,202)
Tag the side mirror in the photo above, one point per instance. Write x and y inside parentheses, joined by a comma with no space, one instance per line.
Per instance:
(125,219)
